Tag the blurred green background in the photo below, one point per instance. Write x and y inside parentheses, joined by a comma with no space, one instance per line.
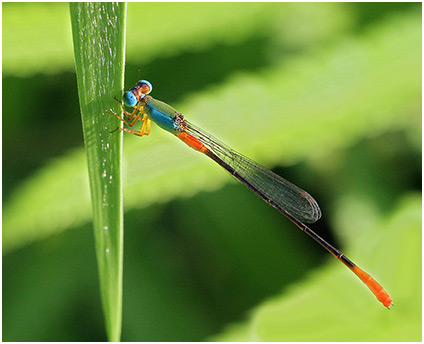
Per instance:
(326,95)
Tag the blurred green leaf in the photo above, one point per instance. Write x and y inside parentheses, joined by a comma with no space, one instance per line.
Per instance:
(98,35)
(184,27)
(395,258)
(194,27)
(302,109)
(37,37)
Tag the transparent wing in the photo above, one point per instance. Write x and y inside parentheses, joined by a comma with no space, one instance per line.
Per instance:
(288,196)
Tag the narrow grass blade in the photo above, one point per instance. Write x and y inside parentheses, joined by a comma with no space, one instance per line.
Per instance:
(99,46)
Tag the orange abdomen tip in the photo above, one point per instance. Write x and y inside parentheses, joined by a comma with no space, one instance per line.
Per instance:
(375,287)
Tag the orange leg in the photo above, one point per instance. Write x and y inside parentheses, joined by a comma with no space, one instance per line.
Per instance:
(148,121)
(136,115)
(142,131)
(132,131)
(123,120)
(136,118)
(129,115)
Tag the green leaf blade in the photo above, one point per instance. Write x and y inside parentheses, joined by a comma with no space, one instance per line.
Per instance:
(99,35)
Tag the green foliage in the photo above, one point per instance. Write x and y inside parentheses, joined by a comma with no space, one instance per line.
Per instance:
(335,97)
(208,24)
(299,314)
(324,88)
(26,53)
(98,35)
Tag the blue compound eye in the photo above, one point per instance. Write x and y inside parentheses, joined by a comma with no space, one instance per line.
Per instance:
(130,99)
(146,86)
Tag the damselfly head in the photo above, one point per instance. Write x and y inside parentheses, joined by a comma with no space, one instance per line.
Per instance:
(134,95)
